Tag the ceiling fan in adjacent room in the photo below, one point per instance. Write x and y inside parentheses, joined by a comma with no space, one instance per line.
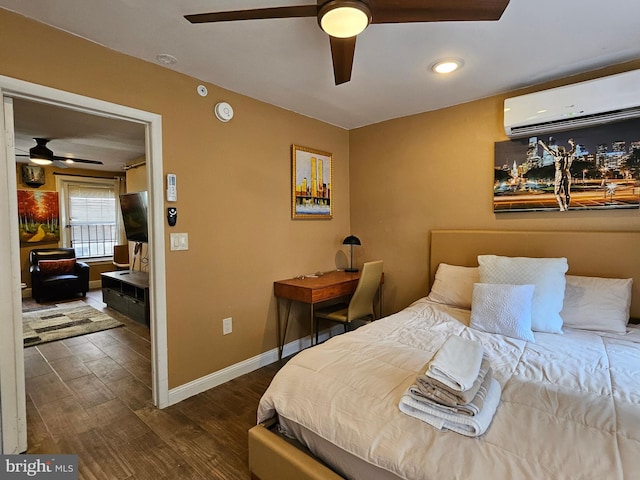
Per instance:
(42,155)
(343,20)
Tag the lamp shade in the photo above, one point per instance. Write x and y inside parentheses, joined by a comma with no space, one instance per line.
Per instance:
(351,240)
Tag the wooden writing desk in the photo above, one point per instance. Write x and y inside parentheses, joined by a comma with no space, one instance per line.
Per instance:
(309,290)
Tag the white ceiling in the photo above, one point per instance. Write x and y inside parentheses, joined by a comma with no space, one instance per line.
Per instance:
(287,62)
(76,134)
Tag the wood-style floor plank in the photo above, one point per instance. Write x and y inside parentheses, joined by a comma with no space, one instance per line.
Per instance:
(46,388)
(90,391)
(65,417)
(35,365)
(97,458)
(68,368)
(91,396)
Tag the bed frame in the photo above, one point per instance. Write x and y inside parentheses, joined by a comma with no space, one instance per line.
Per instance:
(603,254)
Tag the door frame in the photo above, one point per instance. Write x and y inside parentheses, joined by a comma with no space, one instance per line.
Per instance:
(13,434)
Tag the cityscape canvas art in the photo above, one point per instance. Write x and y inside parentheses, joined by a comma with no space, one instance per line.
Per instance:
(583,169)
(311,176)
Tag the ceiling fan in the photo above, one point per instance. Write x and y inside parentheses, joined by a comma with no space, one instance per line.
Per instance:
(42,155)
(343,20)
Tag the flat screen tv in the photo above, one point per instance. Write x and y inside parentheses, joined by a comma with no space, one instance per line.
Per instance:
(134,208)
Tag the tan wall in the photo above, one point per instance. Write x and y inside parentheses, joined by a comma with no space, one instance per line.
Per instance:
(96,268)
(137,178)
(435,170)
(233,191)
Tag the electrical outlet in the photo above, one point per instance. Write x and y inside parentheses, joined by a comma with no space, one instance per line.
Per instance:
(227,326)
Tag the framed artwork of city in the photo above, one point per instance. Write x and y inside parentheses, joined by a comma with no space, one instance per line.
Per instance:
(594,168)
(311,183)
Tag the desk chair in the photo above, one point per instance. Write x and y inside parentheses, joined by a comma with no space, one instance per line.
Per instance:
(360,307)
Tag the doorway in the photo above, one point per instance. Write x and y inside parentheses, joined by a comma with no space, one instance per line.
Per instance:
(12,393)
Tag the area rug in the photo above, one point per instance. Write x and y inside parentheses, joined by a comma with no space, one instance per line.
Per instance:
(63,320)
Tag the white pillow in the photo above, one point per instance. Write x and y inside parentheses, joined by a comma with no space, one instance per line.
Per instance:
(547,274)
(453,285)
(594,303)
(503,309)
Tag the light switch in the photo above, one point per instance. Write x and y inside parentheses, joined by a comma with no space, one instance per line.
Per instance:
(179,241)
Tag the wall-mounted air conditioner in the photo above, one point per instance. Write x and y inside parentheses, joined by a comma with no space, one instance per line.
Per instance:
(607,99)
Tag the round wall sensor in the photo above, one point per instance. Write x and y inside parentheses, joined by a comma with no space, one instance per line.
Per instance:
(223,111)
(202,90)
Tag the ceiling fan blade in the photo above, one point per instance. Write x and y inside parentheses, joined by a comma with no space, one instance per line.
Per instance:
(60,164)
(255,14)
(407,11)
(342,51)
(76,160)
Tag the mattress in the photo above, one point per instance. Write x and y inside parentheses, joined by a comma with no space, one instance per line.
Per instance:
(570,403)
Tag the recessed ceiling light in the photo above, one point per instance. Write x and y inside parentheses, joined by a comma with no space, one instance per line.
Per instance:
(447,66)
(166,59)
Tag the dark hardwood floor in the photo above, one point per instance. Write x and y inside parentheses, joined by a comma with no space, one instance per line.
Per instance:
(91,396)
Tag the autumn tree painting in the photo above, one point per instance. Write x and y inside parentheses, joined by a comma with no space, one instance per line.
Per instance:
(38,216)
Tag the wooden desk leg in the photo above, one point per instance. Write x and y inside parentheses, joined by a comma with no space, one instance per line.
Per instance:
(313,324)
(281,339)
(278,328)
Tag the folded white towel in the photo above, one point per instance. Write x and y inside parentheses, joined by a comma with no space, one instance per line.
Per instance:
(456,363)
(471,426)
(436,399)
(441,393)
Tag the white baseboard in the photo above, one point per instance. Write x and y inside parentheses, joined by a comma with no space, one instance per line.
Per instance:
(246,366)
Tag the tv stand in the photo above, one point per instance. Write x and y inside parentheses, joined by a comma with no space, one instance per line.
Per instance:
(127,292)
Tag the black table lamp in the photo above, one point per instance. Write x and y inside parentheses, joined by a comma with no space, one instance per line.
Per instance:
(351,240)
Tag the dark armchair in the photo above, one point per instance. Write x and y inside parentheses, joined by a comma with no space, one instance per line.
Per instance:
(55,272)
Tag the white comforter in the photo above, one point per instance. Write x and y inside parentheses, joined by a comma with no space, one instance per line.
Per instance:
(570,406)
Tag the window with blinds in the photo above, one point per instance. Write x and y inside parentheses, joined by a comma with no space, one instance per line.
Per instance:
(91,219)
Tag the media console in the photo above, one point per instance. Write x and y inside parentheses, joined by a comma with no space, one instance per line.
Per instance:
(128,293)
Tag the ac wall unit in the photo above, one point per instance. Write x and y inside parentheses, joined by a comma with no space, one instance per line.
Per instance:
(607,99)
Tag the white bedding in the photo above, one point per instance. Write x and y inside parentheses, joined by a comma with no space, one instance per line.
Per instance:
(570,405)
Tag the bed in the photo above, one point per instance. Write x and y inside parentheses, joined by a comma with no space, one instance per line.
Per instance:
(569,403)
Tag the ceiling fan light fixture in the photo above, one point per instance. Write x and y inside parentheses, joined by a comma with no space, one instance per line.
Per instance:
(40,154)
(344,19)
(448,65)
(41,161)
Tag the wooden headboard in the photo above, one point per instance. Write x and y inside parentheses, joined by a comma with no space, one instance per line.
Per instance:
(595,254)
